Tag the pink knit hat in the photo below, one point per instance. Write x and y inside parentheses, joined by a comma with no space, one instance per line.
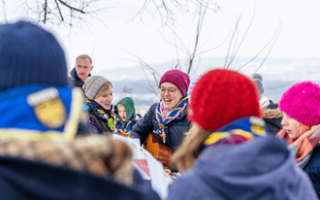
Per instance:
(302,102)
(177,78)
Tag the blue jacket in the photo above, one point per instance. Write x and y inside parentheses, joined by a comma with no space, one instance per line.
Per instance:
(174,130)
(313,169)
(259,169)
(24,179)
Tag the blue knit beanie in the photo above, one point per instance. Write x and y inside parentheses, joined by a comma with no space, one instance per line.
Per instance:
(30,55)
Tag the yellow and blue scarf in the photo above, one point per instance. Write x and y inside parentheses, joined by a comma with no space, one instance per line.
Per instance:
(124,130)
(237,132)
(110,119)
(172,115)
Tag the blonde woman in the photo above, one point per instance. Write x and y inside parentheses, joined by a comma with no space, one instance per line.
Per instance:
(98,102)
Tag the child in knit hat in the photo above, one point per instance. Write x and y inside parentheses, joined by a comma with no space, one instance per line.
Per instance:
(126,118)
(98,102)
(168,118)
(271,113)
(300,105)
(228,151)
(34,92)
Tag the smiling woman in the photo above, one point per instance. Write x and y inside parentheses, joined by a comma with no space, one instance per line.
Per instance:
(168,118)
(98,99)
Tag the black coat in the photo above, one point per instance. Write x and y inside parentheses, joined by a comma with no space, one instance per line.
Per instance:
(174,130)
(313,169)
(74,80)
(97,123)
(22,179)
(273,123)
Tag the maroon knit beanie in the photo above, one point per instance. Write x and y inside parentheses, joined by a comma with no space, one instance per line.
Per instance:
(222,96)
(177,78)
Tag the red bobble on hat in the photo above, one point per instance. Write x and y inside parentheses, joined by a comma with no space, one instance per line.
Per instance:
(222,96)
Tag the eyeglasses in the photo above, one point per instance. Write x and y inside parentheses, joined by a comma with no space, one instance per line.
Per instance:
(170,90)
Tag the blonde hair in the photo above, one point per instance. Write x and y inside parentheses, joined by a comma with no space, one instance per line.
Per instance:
(84,56)
(106,86)
(185,156)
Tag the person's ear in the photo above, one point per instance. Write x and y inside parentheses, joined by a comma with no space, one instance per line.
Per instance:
(91,68)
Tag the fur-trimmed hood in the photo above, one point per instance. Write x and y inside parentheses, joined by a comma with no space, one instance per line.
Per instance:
(272,113)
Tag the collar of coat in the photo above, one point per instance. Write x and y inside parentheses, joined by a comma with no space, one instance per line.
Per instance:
(272,113)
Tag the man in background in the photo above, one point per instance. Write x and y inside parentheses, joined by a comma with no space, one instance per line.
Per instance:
(81,71)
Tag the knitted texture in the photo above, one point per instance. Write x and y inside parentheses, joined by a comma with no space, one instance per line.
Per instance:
(302,102)
(177,78)
(257,79)
(30,55)
(222,96)
(93,84)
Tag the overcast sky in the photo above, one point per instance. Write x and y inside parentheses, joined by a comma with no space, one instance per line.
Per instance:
(109,42)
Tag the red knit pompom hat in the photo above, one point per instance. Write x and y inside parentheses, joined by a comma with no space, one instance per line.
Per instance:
(222,96)
(177,78)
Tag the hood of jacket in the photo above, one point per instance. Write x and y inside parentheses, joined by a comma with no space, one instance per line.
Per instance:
(262,166)
(128,104)
(272,113)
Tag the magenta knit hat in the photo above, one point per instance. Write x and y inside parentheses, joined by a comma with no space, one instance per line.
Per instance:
(302,102)
(177,78)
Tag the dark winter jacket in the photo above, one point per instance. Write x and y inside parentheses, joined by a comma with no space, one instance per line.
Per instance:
(25,179)
(42,109)
(98,122)
(273,116)
(174,130)
(313,169)
(128,104)
(74,80)
(259,169)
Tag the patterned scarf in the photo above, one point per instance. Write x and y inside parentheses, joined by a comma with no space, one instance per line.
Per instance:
(101,113)
(238,132)
(124,130)
(303,146)
(165,119)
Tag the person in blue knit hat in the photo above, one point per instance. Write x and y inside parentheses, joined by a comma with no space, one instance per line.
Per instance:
(34,76)
(41,156)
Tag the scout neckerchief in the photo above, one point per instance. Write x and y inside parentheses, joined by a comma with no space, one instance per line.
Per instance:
(124,130)
(103,115)
(172,115)
(237,132)
(303,146)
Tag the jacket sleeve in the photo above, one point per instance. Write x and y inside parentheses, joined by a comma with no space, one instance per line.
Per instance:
(144,126)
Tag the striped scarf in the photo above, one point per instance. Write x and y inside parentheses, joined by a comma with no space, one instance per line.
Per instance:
(163,120)
(124,130)
(110,119)
(238,132)
(303,146)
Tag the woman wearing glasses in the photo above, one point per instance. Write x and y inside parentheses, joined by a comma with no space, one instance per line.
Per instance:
(168,118)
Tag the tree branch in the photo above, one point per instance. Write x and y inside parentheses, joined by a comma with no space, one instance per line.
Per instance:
(45,11)
(59,10)
(72,8)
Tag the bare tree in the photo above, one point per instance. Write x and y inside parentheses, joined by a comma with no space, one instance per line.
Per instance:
(197,51)
(56,12)
(166,10)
